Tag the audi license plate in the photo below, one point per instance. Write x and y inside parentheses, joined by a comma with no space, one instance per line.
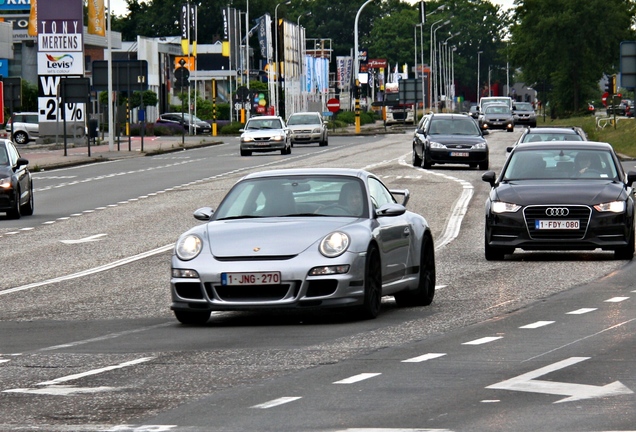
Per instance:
(257,278)
(459,154)
(557,224)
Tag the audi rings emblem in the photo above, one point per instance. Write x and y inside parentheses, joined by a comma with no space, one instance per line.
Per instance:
(557,211)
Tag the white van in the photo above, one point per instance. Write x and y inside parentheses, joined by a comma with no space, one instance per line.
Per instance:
(494,99)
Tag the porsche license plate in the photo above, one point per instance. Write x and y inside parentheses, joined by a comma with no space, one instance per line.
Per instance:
(459,154)
(256,278)
(557,224)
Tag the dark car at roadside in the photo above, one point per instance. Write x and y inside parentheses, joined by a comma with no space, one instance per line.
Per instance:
(449,139)
(560,196)
(185,121)
(16,183)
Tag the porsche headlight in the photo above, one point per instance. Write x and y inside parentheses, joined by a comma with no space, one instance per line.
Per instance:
(5,183)
(504,207)
(437,145)
(334,244)
(614,207)
(188,247)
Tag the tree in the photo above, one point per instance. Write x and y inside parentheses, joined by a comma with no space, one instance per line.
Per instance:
(568,45)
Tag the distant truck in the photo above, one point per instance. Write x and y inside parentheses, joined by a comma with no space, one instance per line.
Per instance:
(396,112)
(494,99)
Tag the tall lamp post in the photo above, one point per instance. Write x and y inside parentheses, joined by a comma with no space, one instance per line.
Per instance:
(301,61)
(434,64)
(444,83)
(277,66)
(479,53)
(356,64)
(421,26)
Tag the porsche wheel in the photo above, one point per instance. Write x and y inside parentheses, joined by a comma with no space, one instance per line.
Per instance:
(370,309)
(423,295)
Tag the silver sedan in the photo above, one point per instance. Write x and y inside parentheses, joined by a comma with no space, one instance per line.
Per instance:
(304,238)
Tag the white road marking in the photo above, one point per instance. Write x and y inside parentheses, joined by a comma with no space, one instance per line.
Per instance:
(616,299)
(276,402)
(53,388)
(90,271)
(484,340)
(424,357)
(96,237)
(357,378)
(4,360)
(393,430)
(527,383)
(581,311)
(537,325)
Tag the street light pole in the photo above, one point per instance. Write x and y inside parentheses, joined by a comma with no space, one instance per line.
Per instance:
(277,66)
(479,53)
(301,62)
(356,64)
(434,62)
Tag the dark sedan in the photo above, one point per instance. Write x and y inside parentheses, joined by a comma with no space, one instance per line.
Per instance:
(185,121)
(560,196)
(449,139)
(497,116)
(16,184)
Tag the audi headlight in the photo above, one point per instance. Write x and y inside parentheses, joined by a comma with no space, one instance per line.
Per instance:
(5,183)
(504,207)
(614,207)
(334,244)
(247,139)
(437,145)
(188,247)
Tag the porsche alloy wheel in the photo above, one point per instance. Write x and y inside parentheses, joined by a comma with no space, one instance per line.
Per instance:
(425,292)
(372,285)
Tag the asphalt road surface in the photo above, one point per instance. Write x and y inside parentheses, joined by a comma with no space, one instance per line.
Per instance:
(541,341)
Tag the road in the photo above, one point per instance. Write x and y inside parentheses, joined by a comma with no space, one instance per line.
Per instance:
(87,342)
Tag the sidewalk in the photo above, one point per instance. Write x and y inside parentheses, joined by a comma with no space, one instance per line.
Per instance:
(53,156)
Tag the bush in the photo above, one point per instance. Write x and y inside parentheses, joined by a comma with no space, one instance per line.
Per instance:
(232,128)
(349,117)
(167,129)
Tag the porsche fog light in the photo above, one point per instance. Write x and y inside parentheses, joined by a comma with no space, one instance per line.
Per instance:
(185,273)
(504,207)
(334,244)
(614,207)
(329,270)
(188,247)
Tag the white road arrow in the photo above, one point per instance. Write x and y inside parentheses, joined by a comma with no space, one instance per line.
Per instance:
(528,383)
(92,238)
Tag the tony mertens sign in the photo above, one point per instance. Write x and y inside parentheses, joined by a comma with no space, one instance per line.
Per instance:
(58,63)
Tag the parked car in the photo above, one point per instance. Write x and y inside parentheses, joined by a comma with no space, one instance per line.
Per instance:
(497,116)
(619,109)
(307,127)
(560,196)
(524,114)
(302,239)
(26,127)
(185,121)
(265,134)
(556,134)
(16,183)
(449,138)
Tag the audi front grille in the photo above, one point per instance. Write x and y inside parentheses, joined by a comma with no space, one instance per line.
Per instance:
(556,213)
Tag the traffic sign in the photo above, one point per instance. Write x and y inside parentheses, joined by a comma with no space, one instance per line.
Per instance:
(604,98)
(333,105)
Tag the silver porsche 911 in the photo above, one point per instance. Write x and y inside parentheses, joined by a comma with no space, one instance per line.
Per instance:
(303,238)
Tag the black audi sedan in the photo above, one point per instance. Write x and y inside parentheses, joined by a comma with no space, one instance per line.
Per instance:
(560,196)
(16,183)
(449,139)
